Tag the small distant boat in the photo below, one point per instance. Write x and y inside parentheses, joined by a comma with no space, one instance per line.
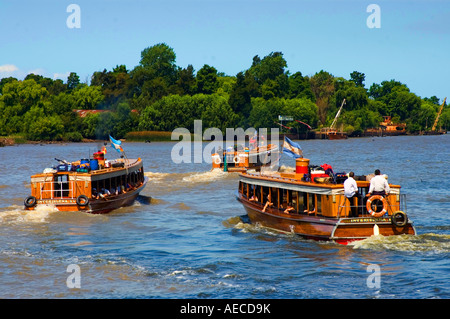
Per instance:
(92,185)
(311,203)
(239,158)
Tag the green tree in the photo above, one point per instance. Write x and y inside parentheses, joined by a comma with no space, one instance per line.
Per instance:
(241,94)
(300,87)
(207,80)
(186,81)
(358,78)
(322,86)
(161,59)
(265,113)
(72,81)
(87,97)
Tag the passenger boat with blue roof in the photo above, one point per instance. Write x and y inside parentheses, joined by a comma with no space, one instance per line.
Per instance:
(95,185)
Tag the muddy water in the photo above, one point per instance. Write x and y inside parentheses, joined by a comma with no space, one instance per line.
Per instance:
(187,236)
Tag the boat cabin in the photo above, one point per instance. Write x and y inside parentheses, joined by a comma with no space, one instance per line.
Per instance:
(318,196)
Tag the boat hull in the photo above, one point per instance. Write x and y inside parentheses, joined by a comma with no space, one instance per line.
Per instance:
(94,206)
(340,230)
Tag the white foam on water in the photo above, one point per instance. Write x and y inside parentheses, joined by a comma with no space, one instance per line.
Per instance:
(155,177)
(16,214)
(202,177)
(428,243)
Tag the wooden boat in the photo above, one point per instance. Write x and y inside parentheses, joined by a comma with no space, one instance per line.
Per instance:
(240,159)
(317,209)
(92,186)
(331,132)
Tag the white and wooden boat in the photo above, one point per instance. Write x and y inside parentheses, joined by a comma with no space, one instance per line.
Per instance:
(313,205)
(88,185)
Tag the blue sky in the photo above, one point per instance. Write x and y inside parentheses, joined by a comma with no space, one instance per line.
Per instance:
(412,45)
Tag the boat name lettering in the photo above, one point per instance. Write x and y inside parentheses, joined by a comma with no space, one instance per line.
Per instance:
(366,220)
(56,201)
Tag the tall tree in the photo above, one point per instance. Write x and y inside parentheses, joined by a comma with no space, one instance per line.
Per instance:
(161,59)
(322,85)
(207,80)
(72,81)
(358,78)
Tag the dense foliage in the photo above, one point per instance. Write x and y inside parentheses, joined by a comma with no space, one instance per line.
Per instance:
(158,95)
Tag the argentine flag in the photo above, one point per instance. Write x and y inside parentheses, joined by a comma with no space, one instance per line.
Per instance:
(116,144)
(292,149)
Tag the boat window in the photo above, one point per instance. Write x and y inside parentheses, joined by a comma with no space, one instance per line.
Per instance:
(294,201)
(265,193)
(311,202)
(302,202)
(319,204)
(275,196)
(61,186)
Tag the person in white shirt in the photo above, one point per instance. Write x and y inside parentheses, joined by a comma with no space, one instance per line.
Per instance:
(351,192)
(378,185)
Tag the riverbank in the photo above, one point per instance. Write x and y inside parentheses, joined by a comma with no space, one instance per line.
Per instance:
(162,136)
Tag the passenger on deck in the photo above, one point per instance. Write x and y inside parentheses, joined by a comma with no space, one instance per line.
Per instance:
(254,198)
(288,209)
(94,193)
(351,192)
(268,203)
(378,185)
(104,193)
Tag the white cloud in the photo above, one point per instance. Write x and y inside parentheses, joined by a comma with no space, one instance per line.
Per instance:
(62,76)
(8,68)
(37,72)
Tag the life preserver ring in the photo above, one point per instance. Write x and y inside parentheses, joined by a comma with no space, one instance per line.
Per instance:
(399,218)
(236,159)
(369,206)
(217,160)
(82,200)
(30,201)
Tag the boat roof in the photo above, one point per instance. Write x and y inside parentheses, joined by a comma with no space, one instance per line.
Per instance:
(94,175)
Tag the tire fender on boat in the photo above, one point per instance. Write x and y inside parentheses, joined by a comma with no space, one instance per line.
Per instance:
(82,200)
(399,218)
(369,205)
(30,201)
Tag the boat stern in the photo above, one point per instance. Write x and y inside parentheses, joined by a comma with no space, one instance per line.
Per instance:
(359,228)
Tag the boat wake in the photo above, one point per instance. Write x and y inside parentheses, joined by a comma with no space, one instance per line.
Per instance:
(16,214)
(427,243)
(192,177)
(210,176)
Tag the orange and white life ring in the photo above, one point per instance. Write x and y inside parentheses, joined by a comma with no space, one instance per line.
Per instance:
(236,159)
(217,160)
(369,206)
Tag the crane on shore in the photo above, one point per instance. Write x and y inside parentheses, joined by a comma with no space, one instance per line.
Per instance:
(438,115)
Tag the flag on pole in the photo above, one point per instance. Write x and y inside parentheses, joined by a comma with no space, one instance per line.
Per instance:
(116,144)
(292,149)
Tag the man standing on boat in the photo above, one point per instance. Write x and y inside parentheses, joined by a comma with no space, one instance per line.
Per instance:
(351,192)
(378,185)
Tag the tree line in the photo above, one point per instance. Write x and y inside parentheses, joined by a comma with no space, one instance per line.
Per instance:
(158,95)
